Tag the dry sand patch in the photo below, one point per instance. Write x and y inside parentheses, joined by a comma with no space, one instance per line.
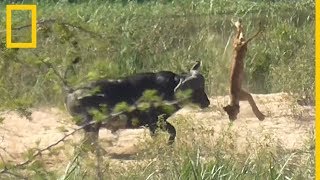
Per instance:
(286,121)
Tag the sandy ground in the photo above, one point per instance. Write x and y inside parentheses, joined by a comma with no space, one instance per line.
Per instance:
(288,122)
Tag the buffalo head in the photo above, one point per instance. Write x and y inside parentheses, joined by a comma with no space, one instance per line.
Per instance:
(195,82)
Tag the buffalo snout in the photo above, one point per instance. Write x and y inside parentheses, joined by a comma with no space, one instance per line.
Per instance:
(205,104)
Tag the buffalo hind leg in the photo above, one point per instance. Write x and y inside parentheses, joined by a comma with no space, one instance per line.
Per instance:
(245,96)
(172,131)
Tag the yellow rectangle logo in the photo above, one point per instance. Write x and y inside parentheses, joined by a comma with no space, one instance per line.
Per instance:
(33,9)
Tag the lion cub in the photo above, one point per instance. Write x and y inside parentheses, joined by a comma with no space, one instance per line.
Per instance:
(237,69)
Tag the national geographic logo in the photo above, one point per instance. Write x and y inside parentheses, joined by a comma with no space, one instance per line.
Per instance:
(33,9)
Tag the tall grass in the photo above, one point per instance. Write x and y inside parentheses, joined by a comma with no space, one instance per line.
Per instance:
(116,39)
(192,158)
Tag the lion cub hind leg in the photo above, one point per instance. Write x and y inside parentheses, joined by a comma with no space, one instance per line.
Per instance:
(232,111)
(245,96)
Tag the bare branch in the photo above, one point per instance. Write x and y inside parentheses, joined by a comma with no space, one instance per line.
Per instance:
(255,35)
(51,21)
(6,151)
(66,86)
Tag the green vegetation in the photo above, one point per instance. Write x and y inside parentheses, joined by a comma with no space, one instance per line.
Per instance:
(117,37)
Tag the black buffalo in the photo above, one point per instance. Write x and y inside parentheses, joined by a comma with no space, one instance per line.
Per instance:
(108,93)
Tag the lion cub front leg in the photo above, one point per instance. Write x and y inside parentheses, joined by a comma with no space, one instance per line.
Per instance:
(245,96)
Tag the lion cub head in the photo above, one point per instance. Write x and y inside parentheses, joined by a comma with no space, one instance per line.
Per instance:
(232,111)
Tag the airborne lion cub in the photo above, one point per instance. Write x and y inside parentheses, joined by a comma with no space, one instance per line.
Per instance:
(237,69)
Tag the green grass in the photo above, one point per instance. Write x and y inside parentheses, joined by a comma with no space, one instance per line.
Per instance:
(119,39)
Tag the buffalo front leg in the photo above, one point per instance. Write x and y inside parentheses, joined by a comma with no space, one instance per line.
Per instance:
(245,96)
(152,128)
(92,136)
(166,127)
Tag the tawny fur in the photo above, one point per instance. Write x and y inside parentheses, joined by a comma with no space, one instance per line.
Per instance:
(237,69)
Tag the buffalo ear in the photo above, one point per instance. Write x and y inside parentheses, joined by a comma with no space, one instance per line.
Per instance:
(196,66)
